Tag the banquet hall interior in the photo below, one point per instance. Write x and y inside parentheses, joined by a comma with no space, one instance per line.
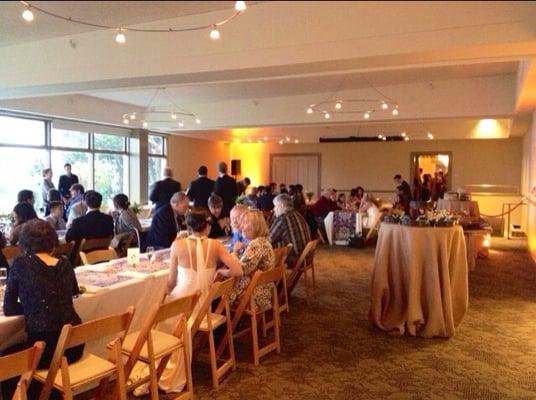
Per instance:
(401,136)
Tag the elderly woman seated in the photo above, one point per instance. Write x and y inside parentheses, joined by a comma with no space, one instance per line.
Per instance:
(258,256)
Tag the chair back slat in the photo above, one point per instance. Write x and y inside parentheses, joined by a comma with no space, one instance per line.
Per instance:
(309,249)
(95,244)
(21,362)
(281,254)
(183,305)
(64,249)
(224,288)
(217,290)
(272,275)
(98,256)
(99,328)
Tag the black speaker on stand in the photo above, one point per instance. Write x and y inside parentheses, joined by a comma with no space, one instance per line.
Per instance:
(235,168)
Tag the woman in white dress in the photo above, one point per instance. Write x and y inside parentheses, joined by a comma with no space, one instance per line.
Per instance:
(193,268)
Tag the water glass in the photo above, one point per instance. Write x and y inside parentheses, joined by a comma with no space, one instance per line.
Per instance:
(150,253)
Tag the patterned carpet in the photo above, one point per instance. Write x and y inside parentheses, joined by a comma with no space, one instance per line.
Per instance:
(330,350)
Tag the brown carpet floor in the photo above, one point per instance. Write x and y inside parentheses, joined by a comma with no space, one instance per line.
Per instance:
(330,351)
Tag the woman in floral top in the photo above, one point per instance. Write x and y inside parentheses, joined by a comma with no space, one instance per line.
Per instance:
(258,256)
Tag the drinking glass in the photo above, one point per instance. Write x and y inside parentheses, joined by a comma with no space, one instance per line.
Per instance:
(150,253)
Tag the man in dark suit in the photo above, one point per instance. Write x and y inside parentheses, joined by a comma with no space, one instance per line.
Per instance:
(226,188)
(164,189)
(201,189)
(93,225)
(66,181)
(167,221)
(404,187)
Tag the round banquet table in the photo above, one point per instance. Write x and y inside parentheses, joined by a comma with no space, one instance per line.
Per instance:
(419,280)
(470,207)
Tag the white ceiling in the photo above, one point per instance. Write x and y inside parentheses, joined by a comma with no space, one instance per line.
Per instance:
(14,30)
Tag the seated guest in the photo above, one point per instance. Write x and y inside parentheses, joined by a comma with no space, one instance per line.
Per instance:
(236,227)
(55,218)
(289,226)
(400,204)
(252,198)
(24,212)
(93,225)
(167,221)
(326,203)
(370,207)
(25,196)
(243,185)
(76,207)
(258,256)
(341,201)
(265,202)
(126,220)
(41,288)
(201,189)
(219,225)
(299,199)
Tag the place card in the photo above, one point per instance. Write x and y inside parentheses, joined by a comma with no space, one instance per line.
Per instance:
(133,256)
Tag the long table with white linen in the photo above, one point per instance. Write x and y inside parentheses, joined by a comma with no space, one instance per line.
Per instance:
(137,286)
(466,206)
(419,281)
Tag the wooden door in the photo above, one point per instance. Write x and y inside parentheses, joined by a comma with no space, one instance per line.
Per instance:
(296,168)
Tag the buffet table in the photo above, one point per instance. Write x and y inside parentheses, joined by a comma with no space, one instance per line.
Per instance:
(468,207)
(419,281)
(111,288)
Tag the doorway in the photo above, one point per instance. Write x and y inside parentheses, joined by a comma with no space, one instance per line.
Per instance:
(296,168)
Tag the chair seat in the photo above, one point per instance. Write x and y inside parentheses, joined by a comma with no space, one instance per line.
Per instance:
(163,343)
(216,320)
(89,368)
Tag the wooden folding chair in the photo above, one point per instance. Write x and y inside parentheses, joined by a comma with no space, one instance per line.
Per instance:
(11,252)
(124,241)
(304,264)
(208,321)
(97,256)
(281,255)
(149,345)
(64,249)
(87,245)
(73,378)
(24,364)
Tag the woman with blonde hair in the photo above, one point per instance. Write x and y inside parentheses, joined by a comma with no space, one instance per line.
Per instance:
(258,256)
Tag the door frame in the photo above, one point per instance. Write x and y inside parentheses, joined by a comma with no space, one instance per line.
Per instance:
(317,155)
(415,154)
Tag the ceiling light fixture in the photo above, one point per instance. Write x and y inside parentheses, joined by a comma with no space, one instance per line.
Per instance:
(385,106)
(338,105)
(326,115)
(161,113)
(28,15)
(406,138)
(395,111)
(366,115)
(310,110)
(403,134)
(430,136)
(296,141)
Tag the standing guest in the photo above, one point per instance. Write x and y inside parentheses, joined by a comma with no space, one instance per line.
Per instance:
(226,188)
(219,225)
(67,181)
(46,187)
(406,189)
(55,218)
(126,220)
(163,190)
(41,287)
(258,256)
(201,189)
(77,207)
(243,185)
(93,225)
(24,212)
(326,203)
(265,202)
(167,221)
(26,196)
(237,212)
(289,226)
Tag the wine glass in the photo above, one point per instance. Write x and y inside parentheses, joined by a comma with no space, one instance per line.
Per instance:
(150,253)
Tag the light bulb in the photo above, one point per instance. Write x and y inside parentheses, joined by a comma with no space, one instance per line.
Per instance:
(287,139)
(28,15)
(296,141)
(366,115)
(384,138)
(338,105)
(406,138)
(281,141)
(125,121)
(385,106)
(266,138)
(197,121)
(214,33)
(326,115)
(403,134)
(379,136)
(181,124)
(145,124)
(310,110)
(430,136)
(240,6)
(486,243)
(173,116)
(133,116)
(395,112)
(120,37)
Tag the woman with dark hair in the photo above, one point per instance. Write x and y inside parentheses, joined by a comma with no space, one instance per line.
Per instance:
(24,212)
(193,267)
(41,287)
(126,220)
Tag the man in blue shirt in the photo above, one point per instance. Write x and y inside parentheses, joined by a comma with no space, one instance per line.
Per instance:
(237,239)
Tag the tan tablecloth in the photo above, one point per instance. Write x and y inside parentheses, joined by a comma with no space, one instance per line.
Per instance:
(419,281)
(470,207)
(474,241)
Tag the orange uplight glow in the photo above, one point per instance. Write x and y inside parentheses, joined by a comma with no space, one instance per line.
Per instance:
(252,156)
(490,129)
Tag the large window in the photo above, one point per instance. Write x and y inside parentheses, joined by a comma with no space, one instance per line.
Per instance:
(157,158)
